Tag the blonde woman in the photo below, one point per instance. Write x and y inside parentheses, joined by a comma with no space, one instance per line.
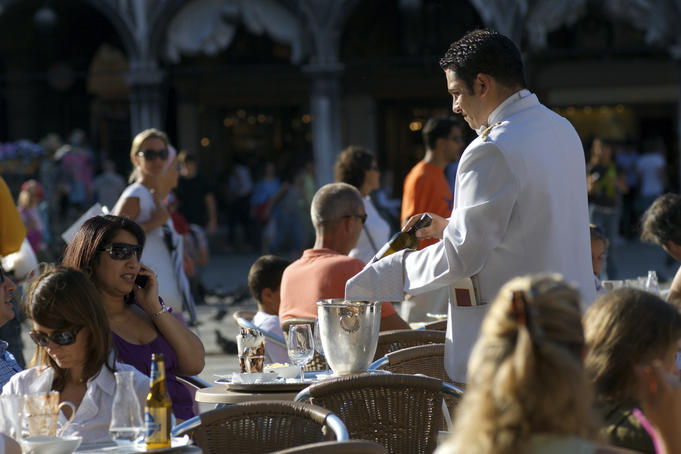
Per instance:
(627,329)
(527,391)
(142,202)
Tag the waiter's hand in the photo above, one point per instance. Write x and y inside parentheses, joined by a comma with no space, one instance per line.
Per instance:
(434,230)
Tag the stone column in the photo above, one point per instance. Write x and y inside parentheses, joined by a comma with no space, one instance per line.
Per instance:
(145,80)
(325,110)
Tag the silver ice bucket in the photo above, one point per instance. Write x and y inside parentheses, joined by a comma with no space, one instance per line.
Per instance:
(349,333)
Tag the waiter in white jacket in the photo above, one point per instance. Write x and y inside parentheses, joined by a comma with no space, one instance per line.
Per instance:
(520,201)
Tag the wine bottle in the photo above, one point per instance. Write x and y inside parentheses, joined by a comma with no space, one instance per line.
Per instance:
(403,240)
(158,407)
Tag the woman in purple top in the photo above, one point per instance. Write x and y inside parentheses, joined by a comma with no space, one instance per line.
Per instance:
(109,248)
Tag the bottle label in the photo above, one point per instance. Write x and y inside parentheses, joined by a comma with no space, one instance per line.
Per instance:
(156,428)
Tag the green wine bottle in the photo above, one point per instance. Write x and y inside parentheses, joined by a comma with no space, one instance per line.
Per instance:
(403,240)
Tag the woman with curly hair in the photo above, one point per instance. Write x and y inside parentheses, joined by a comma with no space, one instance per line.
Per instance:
(357,166)
(527,390)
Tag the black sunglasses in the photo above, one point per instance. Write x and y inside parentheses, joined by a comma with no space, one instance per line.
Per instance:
(123,251)
(361,217)
(149,155)
(62,338)
(2,274)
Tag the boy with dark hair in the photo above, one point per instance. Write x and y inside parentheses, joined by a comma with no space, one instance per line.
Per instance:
(264,279)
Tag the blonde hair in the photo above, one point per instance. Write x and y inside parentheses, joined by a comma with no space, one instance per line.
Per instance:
(525,371)
(137,142)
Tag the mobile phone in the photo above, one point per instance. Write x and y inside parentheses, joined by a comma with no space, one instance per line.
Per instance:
(141,280)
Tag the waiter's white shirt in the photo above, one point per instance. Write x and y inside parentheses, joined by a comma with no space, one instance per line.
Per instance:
(520,207)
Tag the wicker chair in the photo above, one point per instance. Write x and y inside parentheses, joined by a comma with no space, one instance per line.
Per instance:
(437,325)
(423,359)
(318,361)
(337,447)
(390,341)
(261,427)
(401,412)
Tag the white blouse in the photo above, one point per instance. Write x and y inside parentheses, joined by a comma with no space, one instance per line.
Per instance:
(93,415)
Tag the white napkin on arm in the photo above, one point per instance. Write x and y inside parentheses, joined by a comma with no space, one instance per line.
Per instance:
(379,281)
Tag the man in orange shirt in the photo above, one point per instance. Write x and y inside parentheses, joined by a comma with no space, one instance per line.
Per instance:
(426,190)
(337,216)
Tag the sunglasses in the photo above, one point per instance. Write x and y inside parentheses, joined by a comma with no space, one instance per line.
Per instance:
(361,217)
(150,155)
(3,274)
(123,251)
(62,338)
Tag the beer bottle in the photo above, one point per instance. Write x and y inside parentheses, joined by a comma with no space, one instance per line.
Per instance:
(158,407)
(403,240)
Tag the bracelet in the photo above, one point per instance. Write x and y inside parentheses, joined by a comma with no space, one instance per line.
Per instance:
(164,308)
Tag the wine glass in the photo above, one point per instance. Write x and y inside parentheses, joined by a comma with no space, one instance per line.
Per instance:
(300,346)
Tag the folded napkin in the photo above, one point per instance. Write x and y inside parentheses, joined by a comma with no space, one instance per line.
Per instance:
(254,378)
(379,281)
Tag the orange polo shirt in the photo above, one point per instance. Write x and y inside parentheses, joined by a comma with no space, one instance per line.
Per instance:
(319,274)
(426,190)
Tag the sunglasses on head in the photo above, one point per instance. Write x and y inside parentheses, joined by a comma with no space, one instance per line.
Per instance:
(123,251)
(150,155)
(62,338)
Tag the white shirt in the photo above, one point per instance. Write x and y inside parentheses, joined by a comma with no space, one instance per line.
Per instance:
(156,254)
(274,353)
(93,415)
(379,230)
(520,207)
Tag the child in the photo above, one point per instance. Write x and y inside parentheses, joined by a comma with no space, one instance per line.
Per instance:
(264,279)
(599,246)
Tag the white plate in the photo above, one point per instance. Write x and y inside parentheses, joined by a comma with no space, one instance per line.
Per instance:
(247,379)
(175,443)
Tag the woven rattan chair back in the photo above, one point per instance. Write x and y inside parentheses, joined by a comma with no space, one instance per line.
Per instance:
(390,341)
(401,412)
(423,359)
(262,427)
(438,325)
(318,362)
(337,447)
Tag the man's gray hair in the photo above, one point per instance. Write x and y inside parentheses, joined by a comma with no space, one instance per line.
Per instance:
(333,201)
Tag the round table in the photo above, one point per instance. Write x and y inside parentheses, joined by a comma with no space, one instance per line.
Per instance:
(221,395)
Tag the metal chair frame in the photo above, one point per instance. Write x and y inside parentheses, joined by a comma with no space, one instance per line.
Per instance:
(390,341)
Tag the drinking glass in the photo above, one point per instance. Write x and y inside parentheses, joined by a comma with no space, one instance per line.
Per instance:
(300,346)
(318,338)
(126,416)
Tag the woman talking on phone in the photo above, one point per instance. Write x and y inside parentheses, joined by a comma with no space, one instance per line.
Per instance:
(109,249)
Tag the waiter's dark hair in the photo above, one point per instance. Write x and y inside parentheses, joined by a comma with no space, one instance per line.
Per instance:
(661,222)
(487,52)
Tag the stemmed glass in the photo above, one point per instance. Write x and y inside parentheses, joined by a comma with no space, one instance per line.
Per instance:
(300,346)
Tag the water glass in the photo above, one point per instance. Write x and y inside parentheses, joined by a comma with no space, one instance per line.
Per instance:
(300,346)
(41,413)
(12,407)
(126,415)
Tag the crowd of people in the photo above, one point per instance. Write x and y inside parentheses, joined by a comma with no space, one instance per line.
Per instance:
(550,362)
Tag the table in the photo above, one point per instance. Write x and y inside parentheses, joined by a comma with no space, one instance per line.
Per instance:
(221,395)
(111,448)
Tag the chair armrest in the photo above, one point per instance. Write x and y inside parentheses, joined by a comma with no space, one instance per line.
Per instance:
(452,390)
(186,426)
(303,396)
(338,427)
(379,363)
(193,380)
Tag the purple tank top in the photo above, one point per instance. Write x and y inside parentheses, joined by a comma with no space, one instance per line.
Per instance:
(139,356)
